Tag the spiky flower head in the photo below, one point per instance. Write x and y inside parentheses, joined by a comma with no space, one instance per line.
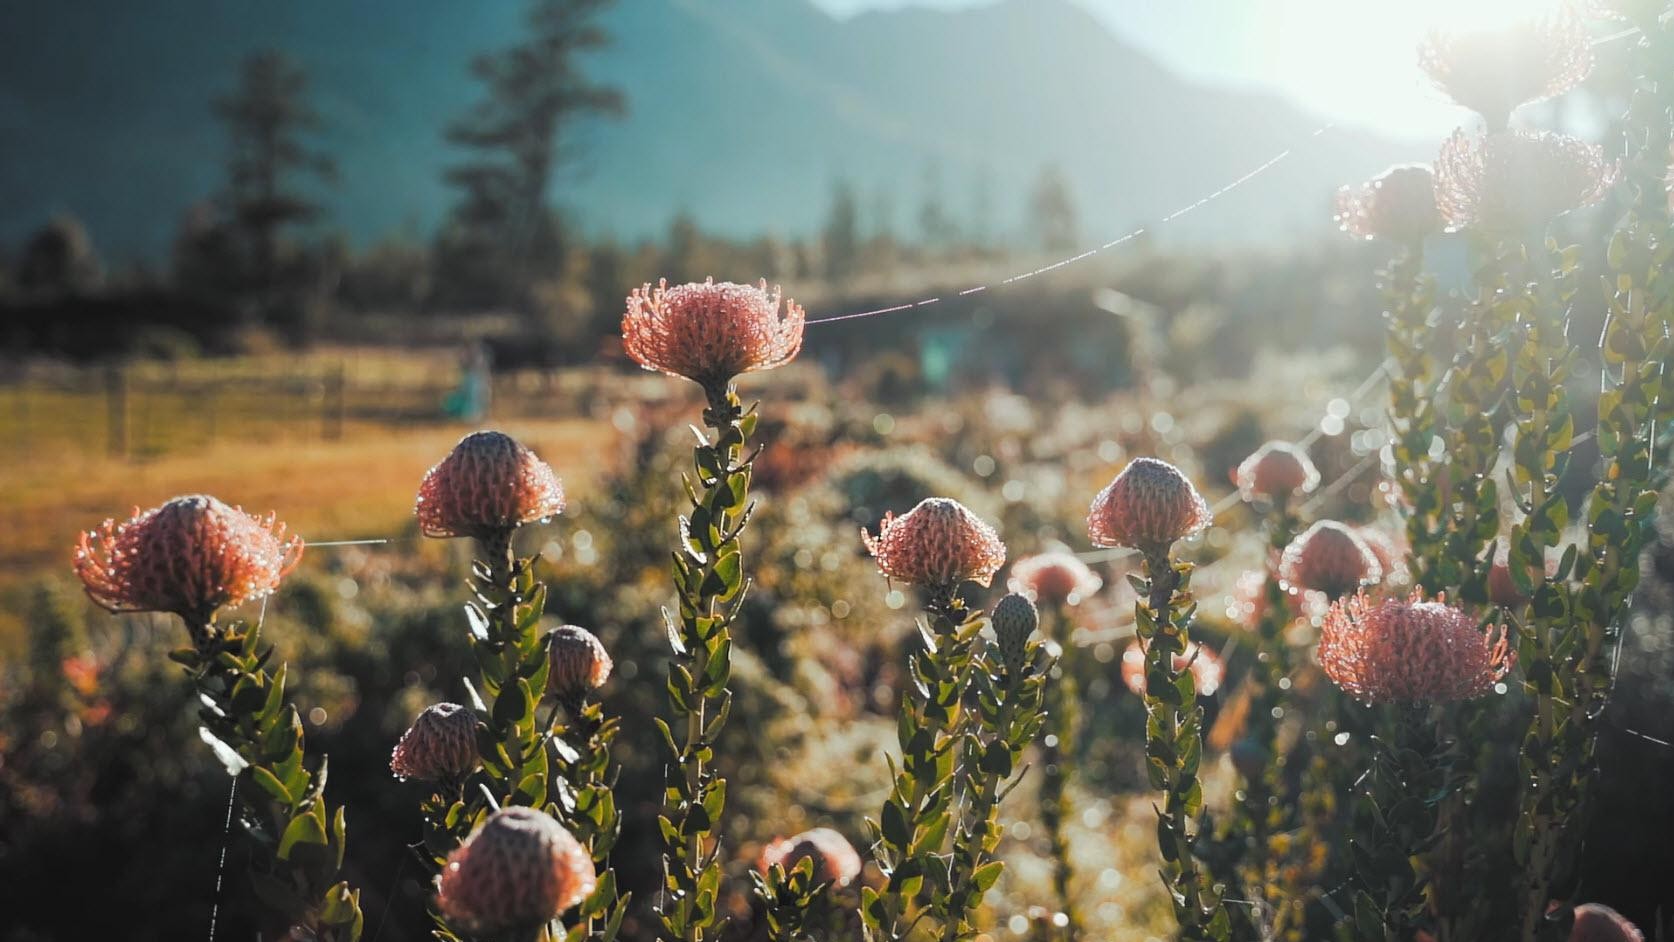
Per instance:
(1398,205)
(1331,558)
(1275,471)
(1206,667)
(1493,72)
(835,859)
(937,545)
(189,557)
(520,870)
(579,664)
(1149,505)
(440,746)
(1410,650)
(489,485)
(1596,922)
(1512,180)
(709,332)
(1056,577)
(1015,620)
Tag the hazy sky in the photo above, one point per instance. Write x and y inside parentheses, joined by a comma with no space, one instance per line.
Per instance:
(1349,60)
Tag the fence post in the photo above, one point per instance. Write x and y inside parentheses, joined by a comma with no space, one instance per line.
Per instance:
(116,410)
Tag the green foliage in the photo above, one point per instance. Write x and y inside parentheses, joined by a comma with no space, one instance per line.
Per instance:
(968,714)
(587,805)
(1174,744)
(252,729)
(1396,820)
(709,580)
(912,831)
(1009,692)
(790,899)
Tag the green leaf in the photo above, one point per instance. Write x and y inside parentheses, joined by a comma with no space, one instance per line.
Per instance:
(305,829)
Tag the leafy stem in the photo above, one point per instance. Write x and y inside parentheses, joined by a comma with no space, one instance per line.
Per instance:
(257,734)
(710,583)
(1174,743)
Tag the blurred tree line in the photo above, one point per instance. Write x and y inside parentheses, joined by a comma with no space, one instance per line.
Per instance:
(258,263)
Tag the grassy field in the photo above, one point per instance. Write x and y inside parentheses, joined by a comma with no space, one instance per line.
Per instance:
(266,450)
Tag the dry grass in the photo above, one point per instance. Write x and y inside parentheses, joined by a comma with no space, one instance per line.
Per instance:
(359,487)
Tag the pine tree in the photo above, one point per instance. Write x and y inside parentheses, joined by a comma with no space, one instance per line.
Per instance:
(269,120)
(503,231)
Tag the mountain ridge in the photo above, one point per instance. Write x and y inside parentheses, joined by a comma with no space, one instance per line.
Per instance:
(742,113)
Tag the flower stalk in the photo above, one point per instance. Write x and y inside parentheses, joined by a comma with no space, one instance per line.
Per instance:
(1174,743)
(709,579)
(253,730)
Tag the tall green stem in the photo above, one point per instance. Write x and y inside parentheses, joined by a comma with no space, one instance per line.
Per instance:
(253,730)
(1174,745)
(709,580)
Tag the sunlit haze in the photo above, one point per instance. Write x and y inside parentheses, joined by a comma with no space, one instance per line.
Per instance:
(1350,61)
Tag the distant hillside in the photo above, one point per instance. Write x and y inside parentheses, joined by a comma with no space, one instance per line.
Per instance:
(743,112)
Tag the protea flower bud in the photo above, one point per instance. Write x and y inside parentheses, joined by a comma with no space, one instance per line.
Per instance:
(440,746)
(1410,650)
(188,557)
(1147,506)
(1054,578)
(1275,471)
(835,859)
(1207,669)
(1513,180)
(1015,620)
(710,333)
(936,545)
(1398,205)
(1596,922)
(579,664)
(520,870)
(489,485)
(1331,558)
(1492,72)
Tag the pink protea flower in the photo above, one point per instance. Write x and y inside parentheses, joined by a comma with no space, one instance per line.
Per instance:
(579,664)
(709,332)
(189,557)
(520,870)
(1398,205)
(1596,922)
(937,545)
(1410,650)
(1056,577)
(1276,470)
(440,746)
(1206,667)
(835,859)
(1512,180)
(1331,558)
(489,485)
(1149,505)
(1492,72)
